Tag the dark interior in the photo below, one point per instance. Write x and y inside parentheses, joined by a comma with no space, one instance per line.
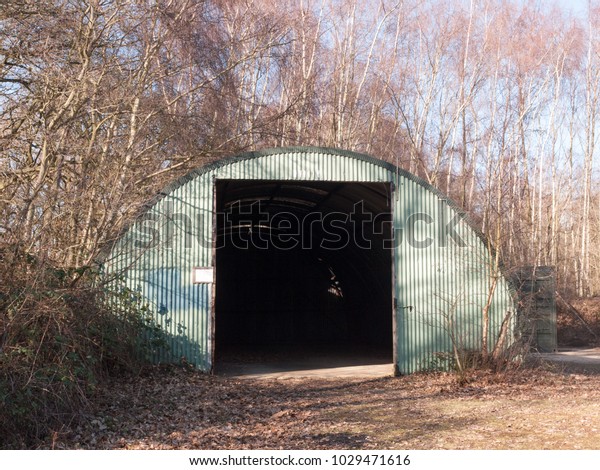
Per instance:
(303,269)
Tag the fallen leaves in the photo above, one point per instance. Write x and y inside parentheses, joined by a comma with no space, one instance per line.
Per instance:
(174,408)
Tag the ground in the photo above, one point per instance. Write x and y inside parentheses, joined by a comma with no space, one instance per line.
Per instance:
(549,406)
(175,408)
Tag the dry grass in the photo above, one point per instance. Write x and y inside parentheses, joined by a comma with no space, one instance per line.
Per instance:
(489,418)
(178,409)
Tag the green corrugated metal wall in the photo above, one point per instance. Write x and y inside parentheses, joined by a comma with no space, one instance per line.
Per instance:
(438,289)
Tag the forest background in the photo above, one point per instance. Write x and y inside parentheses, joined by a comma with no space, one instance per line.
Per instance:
(496,103)
(104,102)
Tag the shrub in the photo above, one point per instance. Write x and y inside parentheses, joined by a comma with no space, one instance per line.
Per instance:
(62,334)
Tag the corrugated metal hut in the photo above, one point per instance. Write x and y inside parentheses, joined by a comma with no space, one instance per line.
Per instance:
(308,248)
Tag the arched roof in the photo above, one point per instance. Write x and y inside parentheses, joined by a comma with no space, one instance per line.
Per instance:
(427,280)
(283,151)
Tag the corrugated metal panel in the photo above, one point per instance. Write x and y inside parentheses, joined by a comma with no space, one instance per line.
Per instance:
(440,288)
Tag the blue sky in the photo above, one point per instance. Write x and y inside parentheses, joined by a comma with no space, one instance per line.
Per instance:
(577,7)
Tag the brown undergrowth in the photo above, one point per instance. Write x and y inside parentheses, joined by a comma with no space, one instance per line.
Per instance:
(579,328)
(60,341)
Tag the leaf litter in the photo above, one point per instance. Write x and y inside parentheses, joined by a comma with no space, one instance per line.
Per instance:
(177,408)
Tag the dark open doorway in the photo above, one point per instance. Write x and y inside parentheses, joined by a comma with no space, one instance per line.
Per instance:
(303,273)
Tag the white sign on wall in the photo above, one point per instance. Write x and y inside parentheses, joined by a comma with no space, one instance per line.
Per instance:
(203,275)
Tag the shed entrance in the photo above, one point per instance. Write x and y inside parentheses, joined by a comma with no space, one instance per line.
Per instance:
(303,272)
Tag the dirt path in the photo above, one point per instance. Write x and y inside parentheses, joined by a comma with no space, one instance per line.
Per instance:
(307,370)
(179,409)
(582,360)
